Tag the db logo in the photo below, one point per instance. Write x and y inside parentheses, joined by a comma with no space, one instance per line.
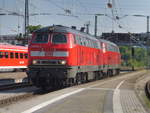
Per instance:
(21,62)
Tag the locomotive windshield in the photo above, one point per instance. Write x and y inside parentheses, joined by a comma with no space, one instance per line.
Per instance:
(41,38)
(59,39)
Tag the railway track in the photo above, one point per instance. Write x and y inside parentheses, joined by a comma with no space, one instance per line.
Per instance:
(147,89)
(15,92)
(14,86)
(36,93)
(27,91)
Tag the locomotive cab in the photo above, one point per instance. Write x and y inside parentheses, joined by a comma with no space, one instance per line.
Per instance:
(49,49)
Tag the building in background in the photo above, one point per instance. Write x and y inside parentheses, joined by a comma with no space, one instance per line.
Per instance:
(14,39)
(135,39)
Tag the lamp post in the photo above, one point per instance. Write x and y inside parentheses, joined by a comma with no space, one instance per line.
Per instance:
(26,18)
(95,28)
(147,40)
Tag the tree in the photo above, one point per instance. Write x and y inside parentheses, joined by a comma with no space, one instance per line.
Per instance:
(32,28)
(137,60)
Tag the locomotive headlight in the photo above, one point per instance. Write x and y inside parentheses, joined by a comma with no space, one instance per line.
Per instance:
(63,62)
(34,62)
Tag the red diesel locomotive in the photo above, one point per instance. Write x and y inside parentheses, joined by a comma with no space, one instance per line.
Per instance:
(61,55)
(13,57)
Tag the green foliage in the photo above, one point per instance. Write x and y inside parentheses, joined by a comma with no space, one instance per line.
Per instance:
(33,28)
(138,59)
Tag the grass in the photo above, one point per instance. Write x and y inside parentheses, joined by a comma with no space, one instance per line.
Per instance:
(147,101)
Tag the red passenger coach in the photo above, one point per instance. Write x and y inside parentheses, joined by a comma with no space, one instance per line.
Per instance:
(61,55)
(13,57)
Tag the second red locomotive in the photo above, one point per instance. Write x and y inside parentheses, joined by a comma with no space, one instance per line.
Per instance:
(61,55)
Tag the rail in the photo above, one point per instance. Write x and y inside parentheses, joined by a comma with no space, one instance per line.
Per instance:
(147,89)
(14,86)
(11,86)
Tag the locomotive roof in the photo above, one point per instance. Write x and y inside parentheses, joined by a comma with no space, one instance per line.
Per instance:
(106,41)
(63,29)
(12,47)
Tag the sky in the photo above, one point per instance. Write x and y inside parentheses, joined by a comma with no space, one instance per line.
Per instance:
(82,12)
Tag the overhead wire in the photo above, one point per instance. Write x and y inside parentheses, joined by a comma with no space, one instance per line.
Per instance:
(132,37)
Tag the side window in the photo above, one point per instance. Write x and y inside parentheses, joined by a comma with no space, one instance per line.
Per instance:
(25,55)
(95,45)
(74,38)
(16,55)
(6,54)
(11,55)
(109,47)
(1,54)
(92,44)
(81,42)
(84,41)
(77,39)
(118,50)
(99,46)
(21,55)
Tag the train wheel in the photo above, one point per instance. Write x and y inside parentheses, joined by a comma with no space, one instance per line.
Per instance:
(78,78)
(46,88)
(100,75)
(84,78)
(71,81)
(59,84)
(109,73)
(96,75)
(118,71)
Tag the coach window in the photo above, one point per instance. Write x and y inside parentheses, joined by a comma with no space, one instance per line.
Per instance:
(11,55)
(77,39)
(84,41)
(87,44)
(59,39)
(25,56)
(80,40)
(74,39)
(16,55)
(1,54)
(90,43)
(21,55)
(118,49)
(6,54)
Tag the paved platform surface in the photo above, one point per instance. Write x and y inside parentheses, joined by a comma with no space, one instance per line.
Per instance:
(112,95)
(130,103)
